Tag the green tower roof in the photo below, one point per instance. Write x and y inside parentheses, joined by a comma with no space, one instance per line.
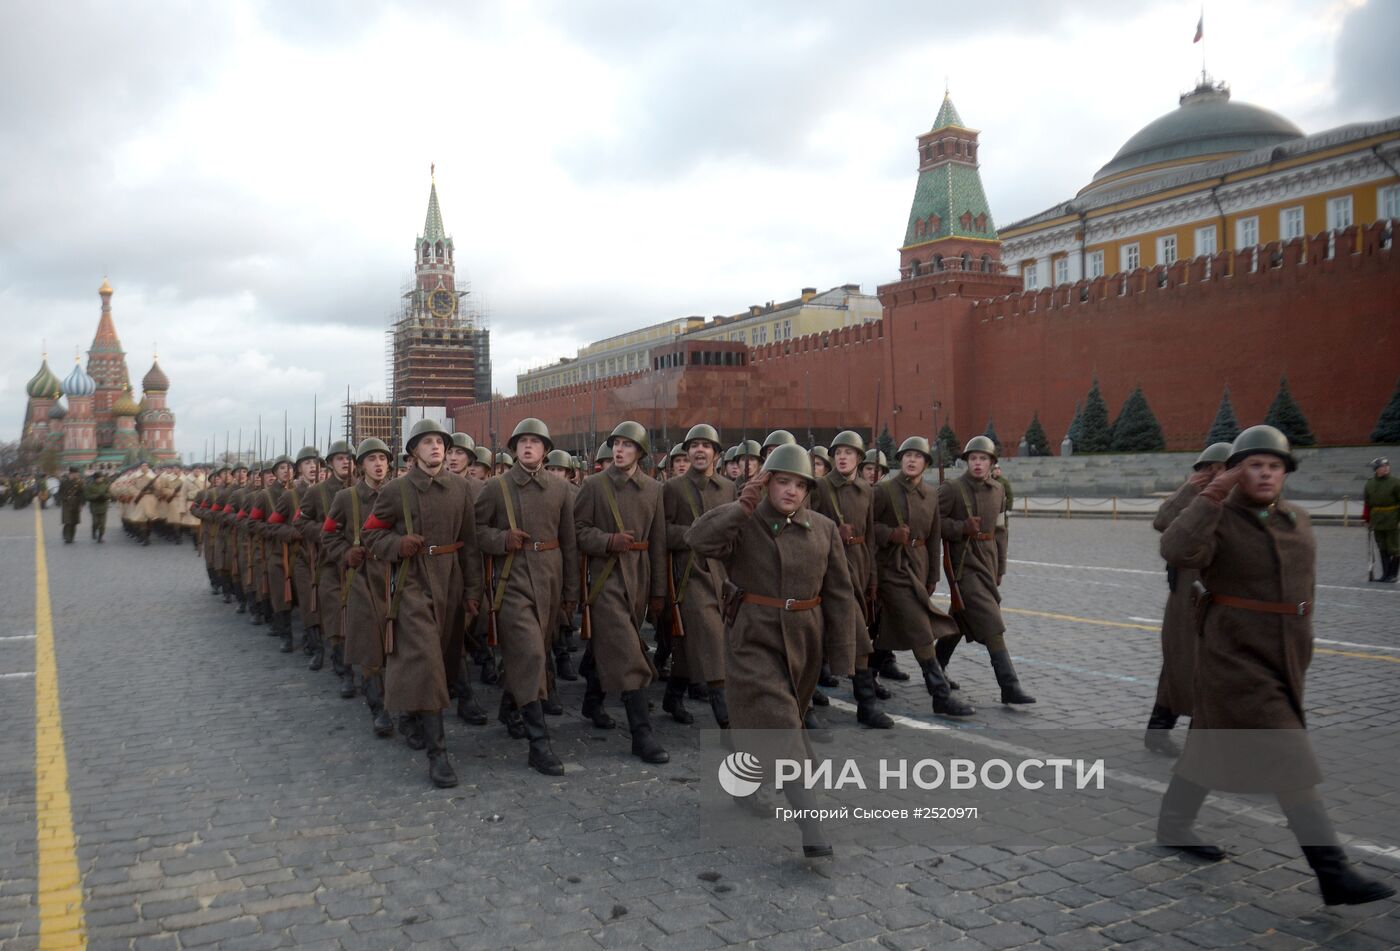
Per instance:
(948,115)
(948,192)
(433,231)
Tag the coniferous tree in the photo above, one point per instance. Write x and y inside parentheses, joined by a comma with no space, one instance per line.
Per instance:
(1388,425)
(949,441)
(1137,429)
(885,443)
(991,433)
(1095,433)
(1037,443)
(1076,425)
(1285,416)
(1226,427)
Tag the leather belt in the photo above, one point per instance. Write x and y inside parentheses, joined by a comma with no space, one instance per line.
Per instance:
(1385,508)
(1294,609)
(856,540)
(543,546)
(786,604)
(639,546)
(917,542)
(442,549)
(983,536)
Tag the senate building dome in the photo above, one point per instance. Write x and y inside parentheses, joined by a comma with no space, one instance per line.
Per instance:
(1206,126)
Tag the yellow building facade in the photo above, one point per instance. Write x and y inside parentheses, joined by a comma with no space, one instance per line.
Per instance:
(1211,176)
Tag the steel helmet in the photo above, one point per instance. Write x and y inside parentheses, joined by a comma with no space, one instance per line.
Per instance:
(241,465)
(819,452)
(281,459)
(370,445)
(603,454)
(463,441)
(677,450)
(558,459)
(702,431)
(850,439)
(779,437)
(504,458)
(339,448)
(920,445)
(749,447)
(1266,439)
(1215,452)
(308,452)
(530,426)
(979,444)
(483,456)
(403,460)
(790,458)
(422,428)
(876,458)
(731,454)
(634,431)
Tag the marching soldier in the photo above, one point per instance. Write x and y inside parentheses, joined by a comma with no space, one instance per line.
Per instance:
(461,453)
(480,466)
(845,499)
(874,468)
(791,603)
(363,578)
(255,578)
(1382,515)
(208,517)
(622,531)
(1178,619)
(266,521)
(98,495)
(906,524)
(778,437)
(732,468)
(239,500)
(677,462)
(821,461)
(749,456)
(70,499)
(422,525)
(563,465)
(1256,555)
(969,507)
(524,520)
(325,583)
(699,653)
(308,464)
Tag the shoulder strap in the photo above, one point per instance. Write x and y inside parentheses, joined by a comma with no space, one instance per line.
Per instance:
(612,502)
(831,497)
(889,494)
(611,563)
(500,594)
(401,575)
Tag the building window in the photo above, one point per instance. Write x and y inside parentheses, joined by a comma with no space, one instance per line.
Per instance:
(1031,273)
(1388,202)
(787,330)
(1290,223)
(1339,213)
(1131,257)
(1096,264)
(1205,241)
(1062,270)
(1166,249)
(1247,233)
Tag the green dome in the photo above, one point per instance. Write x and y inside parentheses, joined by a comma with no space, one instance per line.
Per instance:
(1206,123)
(44,385)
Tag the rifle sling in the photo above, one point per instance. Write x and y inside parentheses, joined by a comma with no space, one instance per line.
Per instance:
(697,508)
(611,563)
(500,594)
(401,575)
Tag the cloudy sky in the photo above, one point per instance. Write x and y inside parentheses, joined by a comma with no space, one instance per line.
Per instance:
(251,175)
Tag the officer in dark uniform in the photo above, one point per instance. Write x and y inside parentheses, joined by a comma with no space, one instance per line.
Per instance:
(1382,514)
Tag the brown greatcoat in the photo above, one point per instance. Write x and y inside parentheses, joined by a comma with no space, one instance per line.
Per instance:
(978,563)
(684,500)
(257,547)
(434,587)
(222,522)
(267,522)
(539,581)
(1178,619)
(907,574)
(1250,665)
(851,502)
(774,656)
(325,575)
(363,599)
(452,648)
(620,606)
(240,501)
(301,554)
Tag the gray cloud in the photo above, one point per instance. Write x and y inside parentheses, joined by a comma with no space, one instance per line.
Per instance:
(1367,68)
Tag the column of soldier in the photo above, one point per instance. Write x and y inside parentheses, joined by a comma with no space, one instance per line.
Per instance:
(767,571)
(152,502)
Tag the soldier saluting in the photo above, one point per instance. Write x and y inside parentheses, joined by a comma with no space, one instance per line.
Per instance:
(969,507)
(525,520)
(699,654)
(422,524)
(621,529)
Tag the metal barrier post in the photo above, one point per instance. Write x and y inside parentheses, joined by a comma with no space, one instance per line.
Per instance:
(1115,508)
(1346,504)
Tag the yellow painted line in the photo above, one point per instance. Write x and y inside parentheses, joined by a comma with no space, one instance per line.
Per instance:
(1074,619)
(61,924)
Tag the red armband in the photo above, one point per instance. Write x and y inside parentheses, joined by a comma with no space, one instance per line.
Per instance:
(373,524)
(228,508)
(256,515)
(275,519)
(242,513)
(329,525)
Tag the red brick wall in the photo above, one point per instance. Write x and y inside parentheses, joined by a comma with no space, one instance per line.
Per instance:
(986,351)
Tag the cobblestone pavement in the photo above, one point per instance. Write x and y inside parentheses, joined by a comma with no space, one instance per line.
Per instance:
(224,796)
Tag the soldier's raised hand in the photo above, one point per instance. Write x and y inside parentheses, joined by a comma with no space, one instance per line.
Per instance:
(620,541)
(516,539)
(1200,479)
(1223,482)
(753,491)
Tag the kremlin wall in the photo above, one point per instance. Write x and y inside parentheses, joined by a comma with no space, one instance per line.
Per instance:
(959,329)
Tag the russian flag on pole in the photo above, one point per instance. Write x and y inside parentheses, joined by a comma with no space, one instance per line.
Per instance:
(1200,29)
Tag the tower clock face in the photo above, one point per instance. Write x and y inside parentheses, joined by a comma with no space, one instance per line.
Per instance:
(442,303)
